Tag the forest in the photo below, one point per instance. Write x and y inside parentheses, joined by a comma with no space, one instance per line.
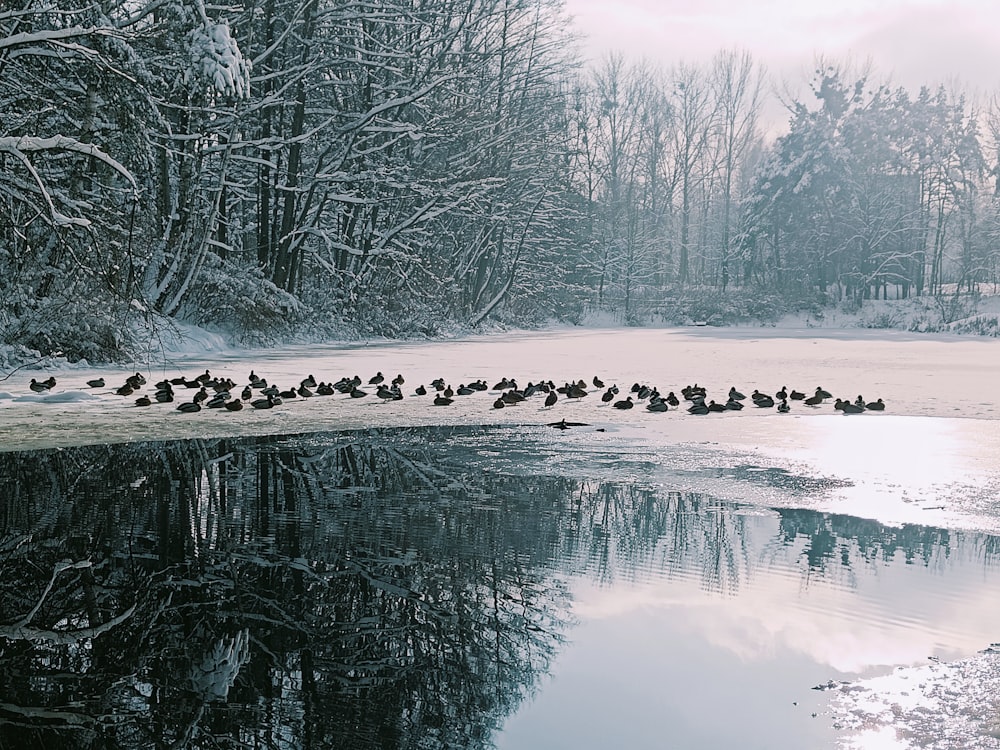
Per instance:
(307,169)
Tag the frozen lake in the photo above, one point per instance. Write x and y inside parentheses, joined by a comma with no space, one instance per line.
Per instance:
(691,578)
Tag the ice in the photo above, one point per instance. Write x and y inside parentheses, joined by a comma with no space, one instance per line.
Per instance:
(930,458)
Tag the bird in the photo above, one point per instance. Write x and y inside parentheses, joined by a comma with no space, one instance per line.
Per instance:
(608,396)
(38,387)
(234,405)
(499,403)
(735,395)
(847,407)
(356,392)
(875,405)
(189,406)
(304,392)
(247,394)
(823,393)
(712,406)
(143,401)
(562,424)
(264,403)
(764,402)
(125,390)
(782,394)
(656,406)
(218,401)
(308,382)
(598,383)
(376,379)
(813,400)
(626,404)
(96,383)
(734,405)
(420,391)
(796,395)
(441,400)
(672,400)
(551,399)
(699,408)
(783,407)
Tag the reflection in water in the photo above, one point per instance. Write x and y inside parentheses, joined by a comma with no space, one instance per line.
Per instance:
(342,590)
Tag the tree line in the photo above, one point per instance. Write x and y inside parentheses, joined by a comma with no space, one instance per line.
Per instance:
(278,166)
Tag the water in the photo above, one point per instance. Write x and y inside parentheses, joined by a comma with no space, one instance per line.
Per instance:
(469,586)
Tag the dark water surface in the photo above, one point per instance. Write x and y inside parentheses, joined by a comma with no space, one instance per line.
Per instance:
(413,589)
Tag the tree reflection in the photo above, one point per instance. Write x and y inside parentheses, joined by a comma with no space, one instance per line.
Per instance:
(364,590)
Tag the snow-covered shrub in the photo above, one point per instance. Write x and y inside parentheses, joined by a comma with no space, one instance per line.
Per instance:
(238,300)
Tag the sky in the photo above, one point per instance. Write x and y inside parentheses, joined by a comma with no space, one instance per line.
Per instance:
(909,41)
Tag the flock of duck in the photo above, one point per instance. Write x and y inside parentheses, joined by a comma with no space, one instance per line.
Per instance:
(223,393)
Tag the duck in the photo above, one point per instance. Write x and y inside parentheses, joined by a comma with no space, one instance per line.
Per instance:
(218,401)
(201,395)
(442,400)
(308,382)
(734,405)
(376,379)
(398,380)
(607,397)
(712,406)
(847,407)
(204,377)
(234,405)
(96,383)
(499,403)
(814,400)
(783,407)
(420,391)
(385,393)
(247,394)
(782,395)
(735,395)
(268,402)
(875,405)
(164,397)
(125,390)
(625,404)
(356,392)
(143,401)
(512,397)
(464,390)
(657,406)
(598,383)
(699,408)
(764,402)
(672,400)
(189,407)
(304,392)
(38,387)
(822,393)
(551,399)
(796,395)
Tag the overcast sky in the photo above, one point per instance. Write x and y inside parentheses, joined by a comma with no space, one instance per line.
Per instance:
(914,41)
